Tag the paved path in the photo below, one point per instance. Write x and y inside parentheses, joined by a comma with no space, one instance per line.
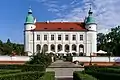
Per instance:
(64,70)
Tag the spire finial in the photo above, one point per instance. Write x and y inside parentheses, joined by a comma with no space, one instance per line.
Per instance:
(30,10)
(90,10)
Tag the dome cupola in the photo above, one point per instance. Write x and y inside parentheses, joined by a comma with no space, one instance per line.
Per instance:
(29,18)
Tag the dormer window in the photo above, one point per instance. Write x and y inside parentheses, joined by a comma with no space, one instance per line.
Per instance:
(71,28)
(45,28)
(59,28)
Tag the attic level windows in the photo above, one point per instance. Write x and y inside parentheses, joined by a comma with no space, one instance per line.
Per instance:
(38,37)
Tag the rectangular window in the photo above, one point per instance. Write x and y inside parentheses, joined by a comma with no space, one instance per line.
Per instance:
(81,37)
(59,37)
(45,37)
(52,37)
(74,37)
(38,37)
(66,37)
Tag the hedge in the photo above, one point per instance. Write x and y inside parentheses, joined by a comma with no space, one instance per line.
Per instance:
(7,66)
(33,68)
(22,76)
(109,70)
(48,76)
(77,75)
(97,67)
(3,72)
(104,76)
(103,69)
(26,67)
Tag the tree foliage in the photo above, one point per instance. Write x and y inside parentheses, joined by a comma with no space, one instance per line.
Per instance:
(41,58)
(110,42)
(8,48)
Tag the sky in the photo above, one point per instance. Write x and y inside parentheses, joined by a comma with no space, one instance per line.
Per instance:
(14,12)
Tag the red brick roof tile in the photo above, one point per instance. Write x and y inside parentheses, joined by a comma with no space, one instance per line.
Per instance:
(59,26)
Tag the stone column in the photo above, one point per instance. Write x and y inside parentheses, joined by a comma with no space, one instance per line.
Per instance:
(70,47)
(49,47)
(63,47)
(78,49)
(41,48)
(56,48)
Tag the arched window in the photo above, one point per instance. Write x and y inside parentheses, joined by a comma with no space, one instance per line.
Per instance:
(74,47)
(59,47)
(81,49)
(38,47)
(45,48)
(66,48)
(52,47)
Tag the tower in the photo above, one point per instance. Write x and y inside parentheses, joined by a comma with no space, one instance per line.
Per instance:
(90,23)
(29,27)
(29,22)
(91,26)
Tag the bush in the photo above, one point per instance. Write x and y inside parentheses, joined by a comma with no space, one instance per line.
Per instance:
(41,59)
(82,76)
(48,76)
(22,76)
(69,58)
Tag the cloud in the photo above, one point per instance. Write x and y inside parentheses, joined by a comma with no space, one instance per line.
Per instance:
(106,12)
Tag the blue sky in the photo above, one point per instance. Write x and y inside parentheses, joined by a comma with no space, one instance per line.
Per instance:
(13,13)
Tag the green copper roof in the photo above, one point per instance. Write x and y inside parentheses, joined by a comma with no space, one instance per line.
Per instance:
(29,18)
(90,19)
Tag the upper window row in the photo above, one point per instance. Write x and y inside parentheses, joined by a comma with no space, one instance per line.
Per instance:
(60,37)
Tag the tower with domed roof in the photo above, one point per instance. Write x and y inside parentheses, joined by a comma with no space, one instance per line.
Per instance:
(29,26)
(91,25)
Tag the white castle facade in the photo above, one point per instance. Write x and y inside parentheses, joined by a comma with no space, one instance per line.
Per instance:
(76,38)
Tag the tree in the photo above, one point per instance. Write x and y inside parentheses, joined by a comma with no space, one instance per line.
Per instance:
(110,42)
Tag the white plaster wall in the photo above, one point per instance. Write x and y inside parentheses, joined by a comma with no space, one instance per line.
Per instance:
(88,40)
(14,58)
(56,41)
(91,42)
(91,27)
(96,59)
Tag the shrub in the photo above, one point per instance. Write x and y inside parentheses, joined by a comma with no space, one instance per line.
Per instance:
(82,76)
(42,59)
(22,76)
(48,76)
(69,58)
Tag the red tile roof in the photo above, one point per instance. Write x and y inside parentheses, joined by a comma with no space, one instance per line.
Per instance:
(59,26)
